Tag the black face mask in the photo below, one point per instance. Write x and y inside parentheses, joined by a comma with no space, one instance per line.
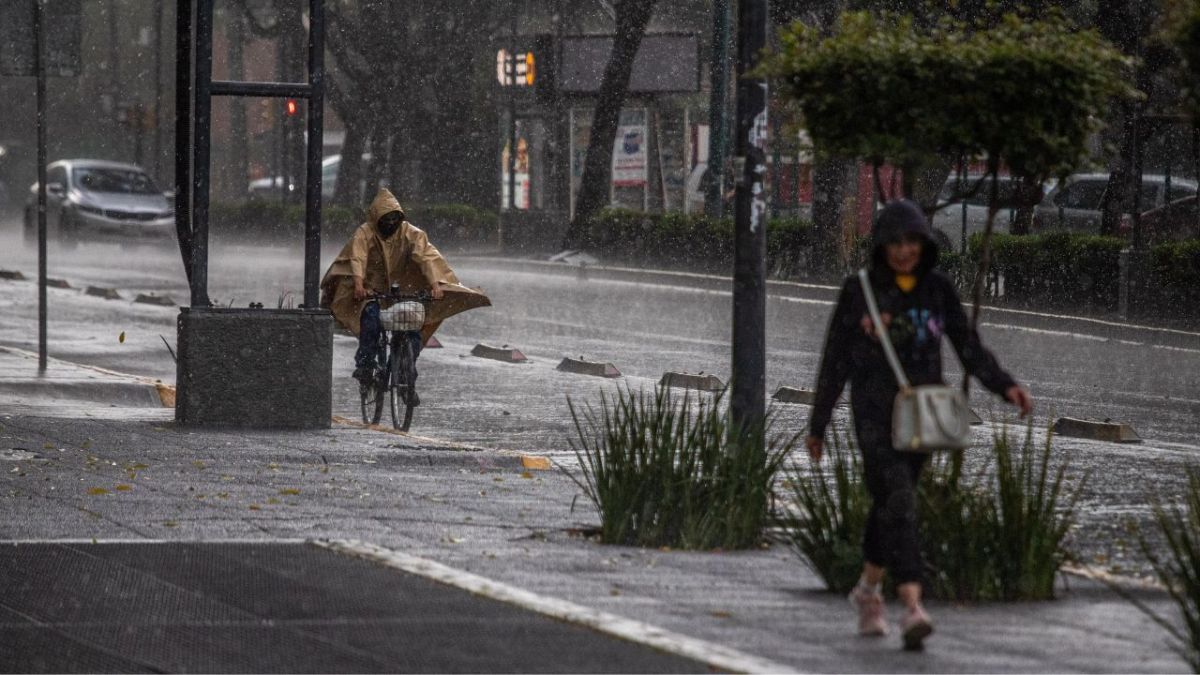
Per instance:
(388,224)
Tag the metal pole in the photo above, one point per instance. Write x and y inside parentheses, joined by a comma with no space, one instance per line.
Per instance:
(748,376)
(158,97)
(184,87)
(511,81)
(719,72)
(39,66)
(316,126)
(201,142)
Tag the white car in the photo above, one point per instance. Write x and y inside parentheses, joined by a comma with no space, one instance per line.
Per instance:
(971,212)
(273,187)
(97,199)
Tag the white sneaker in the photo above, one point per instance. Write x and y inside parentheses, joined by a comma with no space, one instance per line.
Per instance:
(870,611)
(914,628)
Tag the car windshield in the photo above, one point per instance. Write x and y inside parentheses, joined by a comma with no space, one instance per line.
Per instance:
(1006,192)
(125,181)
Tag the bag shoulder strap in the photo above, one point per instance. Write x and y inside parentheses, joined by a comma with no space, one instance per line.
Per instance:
(889,351)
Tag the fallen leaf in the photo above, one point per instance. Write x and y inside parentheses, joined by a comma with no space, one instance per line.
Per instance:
(289,491)
(526,474)
(198,464)
(97,491)
(272,500)
(123,488)
(47,446)
(121,337)
(170,523)
(255,507)
(721,614)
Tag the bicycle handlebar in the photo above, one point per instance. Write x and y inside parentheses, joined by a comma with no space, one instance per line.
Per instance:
(419,296)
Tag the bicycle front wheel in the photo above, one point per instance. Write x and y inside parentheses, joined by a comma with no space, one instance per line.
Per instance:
(402,382)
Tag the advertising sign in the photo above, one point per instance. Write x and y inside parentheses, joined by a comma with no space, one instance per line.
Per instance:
(629,150)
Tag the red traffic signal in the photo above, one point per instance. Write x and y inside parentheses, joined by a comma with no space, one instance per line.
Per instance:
(292,107)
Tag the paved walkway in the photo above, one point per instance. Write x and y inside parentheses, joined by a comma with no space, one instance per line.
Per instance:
(95,466)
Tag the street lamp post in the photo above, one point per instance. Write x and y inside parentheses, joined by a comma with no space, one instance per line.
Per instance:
(748,376)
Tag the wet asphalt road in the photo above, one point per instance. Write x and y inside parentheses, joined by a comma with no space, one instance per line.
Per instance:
(1148,378)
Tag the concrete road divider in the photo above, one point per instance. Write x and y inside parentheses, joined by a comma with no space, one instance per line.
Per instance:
(57,283)
(581,367)
(698,381)
(433,343)
(101,292)
(152,299)
(1112,432)
(12,275)
(794,395)
(503,353)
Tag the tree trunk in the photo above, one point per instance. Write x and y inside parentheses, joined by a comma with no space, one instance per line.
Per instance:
(831,177)
(632,18)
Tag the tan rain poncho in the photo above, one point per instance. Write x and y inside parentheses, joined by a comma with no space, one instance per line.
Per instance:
(406,258)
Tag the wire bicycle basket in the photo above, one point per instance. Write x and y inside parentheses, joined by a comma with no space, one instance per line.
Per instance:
(407,315)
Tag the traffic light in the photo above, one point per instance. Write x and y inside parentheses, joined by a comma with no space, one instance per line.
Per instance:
(291,108)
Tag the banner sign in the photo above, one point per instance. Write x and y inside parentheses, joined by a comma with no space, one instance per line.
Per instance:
(629,150)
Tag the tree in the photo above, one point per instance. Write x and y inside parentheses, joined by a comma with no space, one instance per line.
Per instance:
(1023,95)
(632,18)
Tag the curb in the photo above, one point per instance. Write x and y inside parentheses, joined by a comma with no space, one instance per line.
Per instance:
(594,368)
(520,460)
(162,392)
(715,656)
(505,353)
(699,381)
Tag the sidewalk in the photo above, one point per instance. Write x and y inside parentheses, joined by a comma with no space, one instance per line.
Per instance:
(86,462)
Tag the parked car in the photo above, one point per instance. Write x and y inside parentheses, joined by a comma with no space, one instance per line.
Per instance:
(1074,204)
(948,222)
(273,187)
(97,199)
(1174,221)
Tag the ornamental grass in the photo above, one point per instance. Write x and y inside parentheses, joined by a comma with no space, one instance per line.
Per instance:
(664,470)
(995,533)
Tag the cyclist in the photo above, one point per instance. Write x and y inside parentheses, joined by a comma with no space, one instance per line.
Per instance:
(384,251)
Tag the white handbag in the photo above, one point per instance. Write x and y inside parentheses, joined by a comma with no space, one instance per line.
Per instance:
(927,417)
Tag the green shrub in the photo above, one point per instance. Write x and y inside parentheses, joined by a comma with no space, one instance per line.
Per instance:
(678,473)
(694,241)
(996,535)
(831,504)
(1057,268)
(1175,270)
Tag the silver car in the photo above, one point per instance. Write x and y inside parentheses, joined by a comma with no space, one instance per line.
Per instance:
(969,212)
(96,199)
(1074,205)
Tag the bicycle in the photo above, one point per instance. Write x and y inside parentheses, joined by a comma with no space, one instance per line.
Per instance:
(395,365)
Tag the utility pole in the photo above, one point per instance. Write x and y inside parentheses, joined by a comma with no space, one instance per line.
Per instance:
(717,125)
(39,66)
(748,376)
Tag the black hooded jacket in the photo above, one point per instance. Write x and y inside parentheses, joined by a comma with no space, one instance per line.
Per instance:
(919,320)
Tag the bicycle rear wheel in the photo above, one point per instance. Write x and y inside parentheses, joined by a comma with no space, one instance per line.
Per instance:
(402,382)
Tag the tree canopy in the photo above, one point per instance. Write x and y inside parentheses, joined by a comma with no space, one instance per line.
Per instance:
(1024,94)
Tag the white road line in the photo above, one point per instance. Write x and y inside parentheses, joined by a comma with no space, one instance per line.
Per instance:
(714,655)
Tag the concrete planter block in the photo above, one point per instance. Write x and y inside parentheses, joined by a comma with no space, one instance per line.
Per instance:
(106,293)
(151,299)
(12,275)
(794,395)
(1113,432)
(700,382)
(57,283)
(593,368)
(254,368)
(506,354)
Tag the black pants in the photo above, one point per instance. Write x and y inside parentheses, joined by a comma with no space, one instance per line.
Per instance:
(892,539)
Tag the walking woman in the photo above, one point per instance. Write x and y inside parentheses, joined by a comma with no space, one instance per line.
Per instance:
(918,306)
